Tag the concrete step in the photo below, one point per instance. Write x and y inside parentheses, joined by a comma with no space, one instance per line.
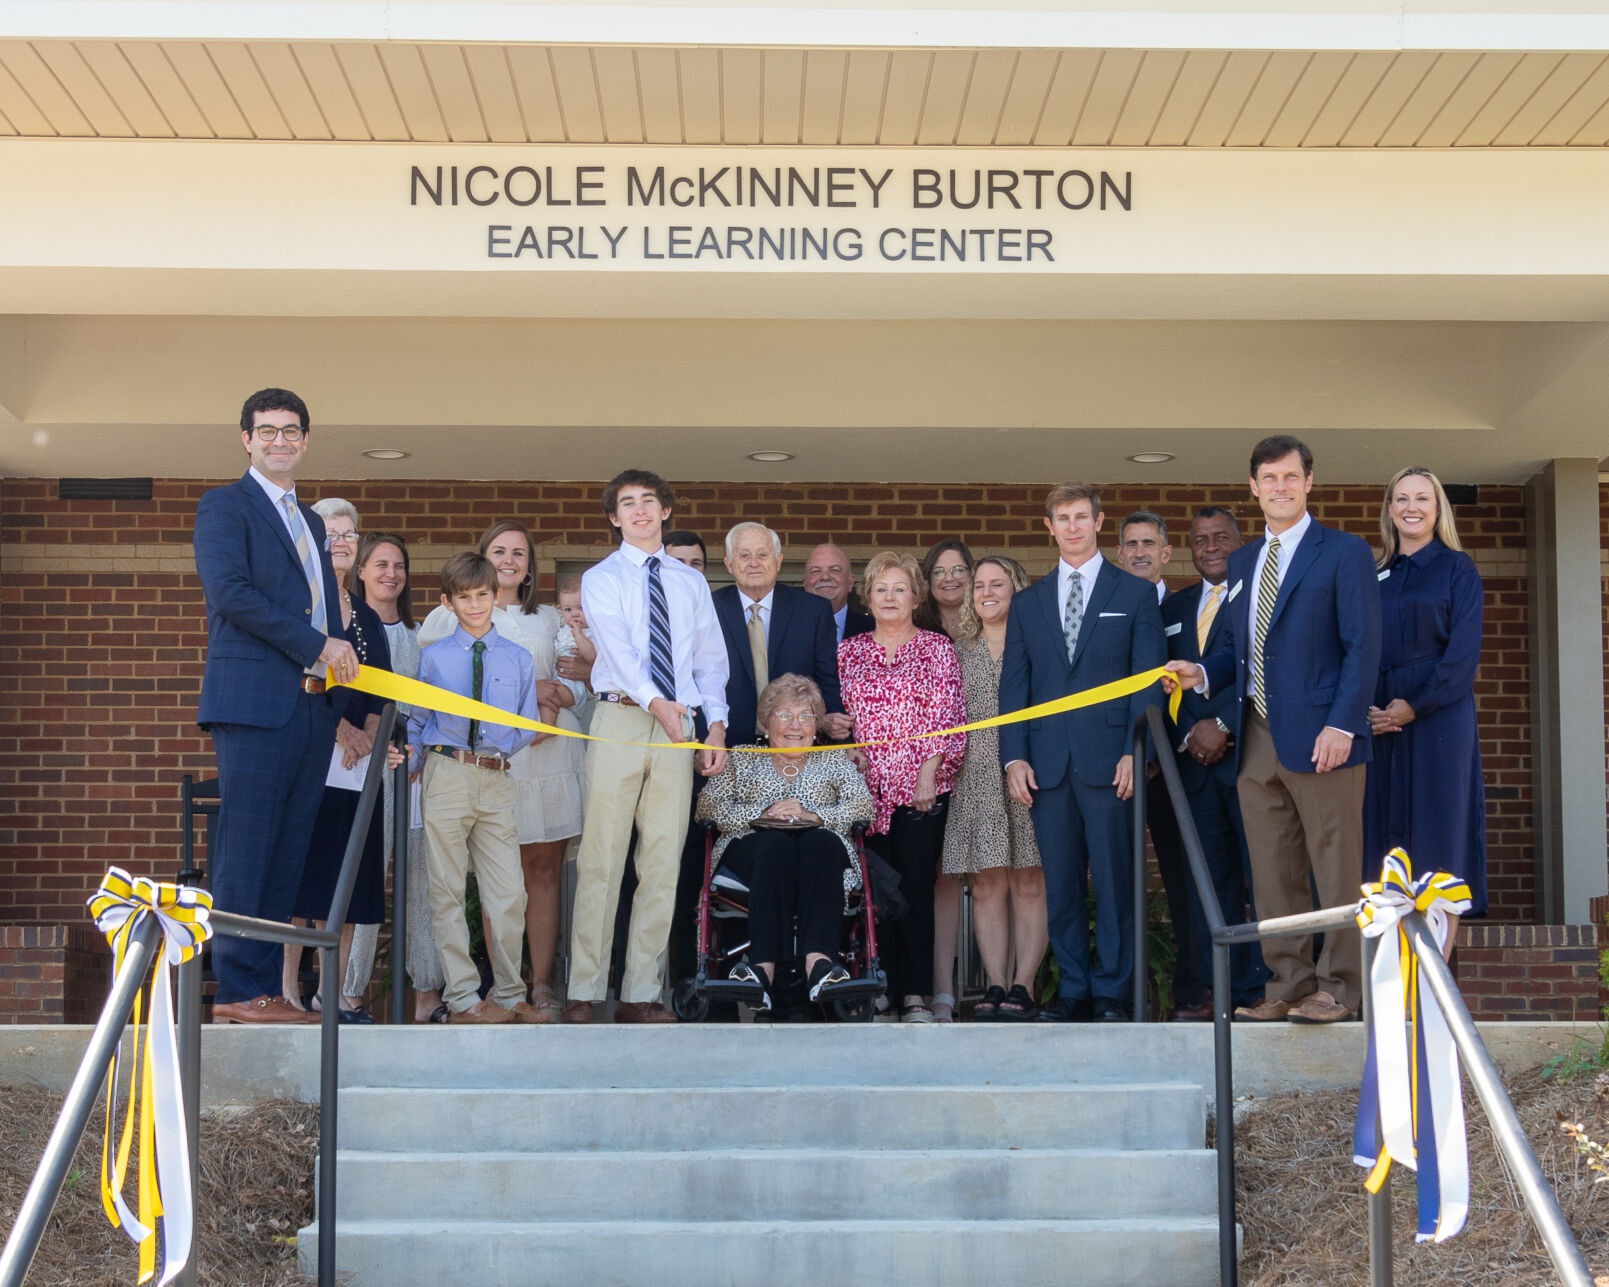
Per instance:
(1161,1115)
(692,1055)
(770,1184)
(778,1253)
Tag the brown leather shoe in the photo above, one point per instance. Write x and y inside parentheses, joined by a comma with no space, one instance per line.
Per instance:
(1263,1012)
(525,1012)
(482,1012)
(578,1012)
(1201,1013)
(1321,1007)
(643,1012)
(263,1009)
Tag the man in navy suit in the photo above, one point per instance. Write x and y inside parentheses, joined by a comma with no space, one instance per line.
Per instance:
(828,573)
(1085,624)
(273,618)
(1193,621)
(1301,654)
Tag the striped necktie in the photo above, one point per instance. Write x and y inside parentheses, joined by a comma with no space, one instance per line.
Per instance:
(1209,614)
(660,668)
(309,560)
(1267,592)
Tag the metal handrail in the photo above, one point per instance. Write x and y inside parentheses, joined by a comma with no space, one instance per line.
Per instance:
(22,1243)
(1541,1203)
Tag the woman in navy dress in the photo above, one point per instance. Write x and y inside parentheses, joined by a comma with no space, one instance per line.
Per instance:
(1425,791)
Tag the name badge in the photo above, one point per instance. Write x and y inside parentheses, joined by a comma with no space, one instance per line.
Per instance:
(1174,628)
(1383,575)
(1234,592)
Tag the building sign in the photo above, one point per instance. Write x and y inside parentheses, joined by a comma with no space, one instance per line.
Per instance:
(769,210)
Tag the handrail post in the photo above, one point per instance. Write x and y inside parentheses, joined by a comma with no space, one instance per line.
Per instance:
(1224,1108)
(29,1227)
(328,1082)
(400,792)
(1506,1129)
(1140,996)
(187,1019)
(1380,1253)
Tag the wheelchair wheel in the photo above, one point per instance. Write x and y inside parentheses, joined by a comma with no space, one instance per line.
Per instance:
(860,1011)
(690,1005)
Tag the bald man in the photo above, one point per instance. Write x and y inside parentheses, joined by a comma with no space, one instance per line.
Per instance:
(828,573)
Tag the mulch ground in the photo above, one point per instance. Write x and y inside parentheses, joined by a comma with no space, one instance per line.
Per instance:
(1302,1203)
(1303,1209)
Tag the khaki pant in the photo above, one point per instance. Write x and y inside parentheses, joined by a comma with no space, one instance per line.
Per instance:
(469,814)
(1302,827)
(626,784)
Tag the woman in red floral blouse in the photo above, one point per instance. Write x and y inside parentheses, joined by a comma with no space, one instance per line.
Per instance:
(899,681)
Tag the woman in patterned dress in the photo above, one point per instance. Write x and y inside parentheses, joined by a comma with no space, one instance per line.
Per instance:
(793,872)
(899,681)
(989,836)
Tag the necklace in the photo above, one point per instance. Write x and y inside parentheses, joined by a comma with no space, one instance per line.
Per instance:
(789,771)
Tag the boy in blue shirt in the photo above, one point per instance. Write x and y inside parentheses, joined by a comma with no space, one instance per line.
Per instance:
(469,796)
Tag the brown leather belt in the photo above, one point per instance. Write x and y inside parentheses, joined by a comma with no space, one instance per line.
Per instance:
(312,684)
(495,762)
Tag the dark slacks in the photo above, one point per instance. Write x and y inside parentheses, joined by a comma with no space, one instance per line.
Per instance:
(791,874)
(270,784)
(1086,838)
(1216,810)
(912,847)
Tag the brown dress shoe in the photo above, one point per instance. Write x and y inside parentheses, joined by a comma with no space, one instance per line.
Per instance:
(1263,1012)
(525,1012)
(263,1009)
(1201,1013)
(482,1012)
(643,1012)
(1321,1007)
(578,1012)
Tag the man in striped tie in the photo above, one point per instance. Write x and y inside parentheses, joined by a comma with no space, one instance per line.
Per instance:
(661,658)
(273,635)
(1301,652)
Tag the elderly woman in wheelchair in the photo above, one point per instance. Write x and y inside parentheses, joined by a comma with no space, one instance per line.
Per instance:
(786,823)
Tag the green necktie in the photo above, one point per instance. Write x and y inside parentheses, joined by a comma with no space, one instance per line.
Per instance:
(477,674)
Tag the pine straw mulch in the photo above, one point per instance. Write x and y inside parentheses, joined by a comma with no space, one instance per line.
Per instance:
(256,1191)
(1303,1208)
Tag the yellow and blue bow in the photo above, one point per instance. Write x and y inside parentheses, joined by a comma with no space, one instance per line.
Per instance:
(1412,1098)
(165,1222)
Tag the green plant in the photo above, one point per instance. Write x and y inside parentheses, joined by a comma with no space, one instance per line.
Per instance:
(1160,955)
(70,1184)
(1578,1061)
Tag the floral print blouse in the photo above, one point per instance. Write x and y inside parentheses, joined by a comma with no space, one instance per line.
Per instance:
(920,691)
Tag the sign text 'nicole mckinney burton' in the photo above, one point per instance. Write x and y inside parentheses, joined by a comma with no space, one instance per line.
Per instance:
(878,193)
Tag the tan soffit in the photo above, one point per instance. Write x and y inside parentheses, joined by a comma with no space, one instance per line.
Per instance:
(487,93)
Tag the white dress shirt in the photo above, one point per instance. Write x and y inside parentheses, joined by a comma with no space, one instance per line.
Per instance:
(1065,572)
(765,611)
(276,497)
(614,595)
(1161,592)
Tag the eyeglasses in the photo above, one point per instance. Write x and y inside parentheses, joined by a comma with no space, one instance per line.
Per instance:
(952,574)
(342,538)
(270,433)
(789,718)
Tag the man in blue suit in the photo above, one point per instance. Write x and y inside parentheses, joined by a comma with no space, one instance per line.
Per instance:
(1193,621)
(1085,624)
(273,633)
(1301,654)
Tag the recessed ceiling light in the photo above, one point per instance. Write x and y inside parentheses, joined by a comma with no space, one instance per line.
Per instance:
(385,453)
(1151,457)
(770,457)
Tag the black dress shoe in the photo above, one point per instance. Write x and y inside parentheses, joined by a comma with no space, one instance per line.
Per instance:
(1110,1011)
(1061,1010)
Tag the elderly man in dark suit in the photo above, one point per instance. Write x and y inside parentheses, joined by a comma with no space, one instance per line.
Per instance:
(1193,621)
(273,635)
(1086,624)
(1302,655)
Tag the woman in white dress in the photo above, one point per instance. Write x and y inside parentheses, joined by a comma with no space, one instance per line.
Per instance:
(549,789)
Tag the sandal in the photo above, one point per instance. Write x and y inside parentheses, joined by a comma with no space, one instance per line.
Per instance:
(544,998)
(916,1014)
(1017,1006)
(943,1008)
(441,1014)
(988,1009)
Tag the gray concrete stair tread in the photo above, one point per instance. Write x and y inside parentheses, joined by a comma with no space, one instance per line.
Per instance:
(659,1228)
(392,1157)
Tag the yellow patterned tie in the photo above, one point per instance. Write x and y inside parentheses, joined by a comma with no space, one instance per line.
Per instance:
(762,672)
(1267,592)
(1209,614)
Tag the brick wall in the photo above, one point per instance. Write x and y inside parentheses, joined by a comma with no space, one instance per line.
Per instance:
(52,973)
(1530,971)
(102,635)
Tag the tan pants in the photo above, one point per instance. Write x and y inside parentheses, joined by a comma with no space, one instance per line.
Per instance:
(626,784)
(1302,826)
(469,814)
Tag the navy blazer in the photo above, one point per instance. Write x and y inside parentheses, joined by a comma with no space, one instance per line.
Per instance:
(802,641)
(857,623)
(1179,626)
(260,636)
(1322,650)
(1121,635)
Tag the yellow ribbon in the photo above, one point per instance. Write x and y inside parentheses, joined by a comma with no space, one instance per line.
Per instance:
(165,1222)
(412,692)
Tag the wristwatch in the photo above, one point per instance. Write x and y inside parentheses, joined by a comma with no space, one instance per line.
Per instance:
(1184,742)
